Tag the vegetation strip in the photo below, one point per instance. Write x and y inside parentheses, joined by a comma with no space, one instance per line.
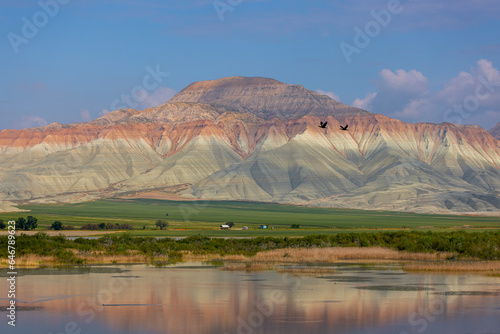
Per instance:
(41,249)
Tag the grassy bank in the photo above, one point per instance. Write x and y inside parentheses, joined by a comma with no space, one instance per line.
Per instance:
(41,249)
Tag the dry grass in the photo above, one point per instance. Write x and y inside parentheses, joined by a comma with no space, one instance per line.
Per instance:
(30,261)
(100,257)
(261,266)
(106,259)
(34,261)
(248,266)
(334,254)
(305,271)
(188,256)
(270,260)
(490,268)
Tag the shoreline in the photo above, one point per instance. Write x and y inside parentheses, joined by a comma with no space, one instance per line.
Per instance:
(314,260)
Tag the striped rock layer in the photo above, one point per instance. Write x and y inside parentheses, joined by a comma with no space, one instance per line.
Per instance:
(256,139)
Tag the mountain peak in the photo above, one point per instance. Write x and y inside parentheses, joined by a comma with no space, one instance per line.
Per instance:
(233,81)
(266,98)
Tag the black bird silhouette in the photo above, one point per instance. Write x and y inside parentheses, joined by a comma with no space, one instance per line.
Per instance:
(323,125)
(344,127)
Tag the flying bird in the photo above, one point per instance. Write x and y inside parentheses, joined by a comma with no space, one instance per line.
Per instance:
(344,127)
(323,125)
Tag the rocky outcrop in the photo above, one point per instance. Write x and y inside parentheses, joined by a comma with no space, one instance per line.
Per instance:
(256,139)
(495,131)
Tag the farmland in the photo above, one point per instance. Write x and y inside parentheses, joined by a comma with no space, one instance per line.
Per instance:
(204,218)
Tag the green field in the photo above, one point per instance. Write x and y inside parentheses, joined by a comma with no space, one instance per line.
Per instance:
(204,217)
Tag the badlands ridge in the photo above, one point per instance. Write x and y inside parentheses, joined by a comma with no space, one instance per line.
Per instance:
(256,139)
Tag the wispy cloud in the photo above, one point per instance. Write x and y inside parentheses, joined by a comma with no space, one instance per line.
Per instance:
(330,94)
(366,102)
(159,96)
(85,115)
(29,121)
(470,97)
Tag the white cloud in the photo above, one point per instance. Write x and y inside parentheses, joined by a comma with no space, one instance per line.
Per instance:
(365,103)
(329,94)
(483,81)
(159,96)
(471,97)
(412,82)
(85,115)
(30,121)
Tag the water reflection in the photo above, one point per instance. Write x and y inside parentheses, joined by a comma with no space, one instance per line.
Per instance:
(190,298)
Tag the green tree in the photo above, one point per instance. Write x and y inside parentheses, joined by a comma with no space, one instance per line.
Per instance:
(2,224)
(21,224)
(102,226)
(57,225)
(231,224)
(295,226)
(32,223)
(161,224)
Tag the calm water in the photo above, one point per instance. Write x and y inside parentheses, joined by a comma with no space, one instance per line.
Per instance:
(198,298)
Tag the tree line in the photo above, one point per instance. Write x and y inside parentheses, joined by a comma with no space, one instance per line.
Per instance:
(26,224)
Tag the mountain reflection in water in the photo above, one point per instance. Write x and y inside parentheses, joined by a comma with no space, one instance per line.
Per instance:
(192,298)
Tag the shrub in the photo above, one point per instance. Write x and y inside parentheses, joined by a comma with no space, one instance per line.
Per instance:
(90,227)
(57,225)
(125,227)
(161,224)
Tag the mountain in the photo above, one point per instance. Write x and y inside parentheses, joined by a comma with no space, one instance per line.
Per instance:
(256,139)
(495,131)
(263,97)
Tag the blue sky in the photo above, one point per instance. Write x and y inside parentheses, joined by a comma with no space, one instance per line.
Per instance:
(418,61)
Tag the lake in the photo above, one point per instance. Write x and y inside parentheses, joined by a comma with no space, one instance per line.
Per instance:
(201,298)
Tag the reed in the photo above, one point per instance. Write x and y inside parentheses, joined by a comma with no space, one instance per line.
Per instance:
(307,271)
(120,258)
(265,266)
(30,261)
(484,267)
(248,266)
(334,254)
